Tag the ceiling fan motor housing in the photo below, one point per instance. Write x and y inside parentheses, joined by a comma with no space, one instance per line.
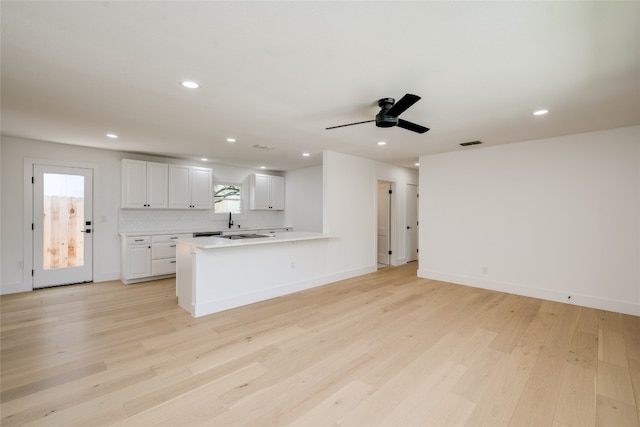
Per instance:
(382,119)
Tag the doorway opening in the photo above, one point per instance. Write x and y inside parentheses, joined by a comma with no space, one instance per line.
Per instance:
(384,206)
(62,225)
(412,223)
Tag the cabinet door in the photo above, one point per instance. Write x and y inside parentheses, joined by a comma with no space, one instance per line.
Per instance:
(157,179)
(277,193)
(134,184)
(202,188)
(138,261)
(144,184)
(260,193)
(179,187)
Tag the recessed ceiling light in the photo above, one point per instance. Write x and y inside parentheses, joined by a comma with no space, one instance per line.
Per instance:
(204,159)
(540,112)
(306,154)
(190,85)
(112,135)
(231,140)
(382,143)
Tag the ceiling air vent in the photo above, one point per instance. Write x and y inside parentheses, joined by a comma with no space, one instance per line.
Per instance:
(466,144)
(261,147)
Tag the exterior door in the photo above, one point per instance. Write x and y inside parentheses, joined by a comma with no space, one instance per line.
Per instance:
(62,225)
(384,221)
(412,222)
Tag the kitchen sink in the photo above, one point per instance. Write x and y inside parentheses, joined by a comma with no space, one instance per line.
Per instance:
(241,236)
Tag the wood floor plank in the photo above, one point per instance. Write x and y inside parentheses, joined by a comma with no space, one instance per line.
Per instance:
(335,406)
(49,382)
(634,372)
(631,332)
(615,382)
(576,398)
(539,399)
(386,348)
(612,347)
(611,412)
(507,385)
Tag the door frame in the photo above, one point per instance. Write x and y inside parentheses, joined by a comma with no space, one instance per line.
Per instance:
(389,204)
(393,221)
(409,250)
(28,192)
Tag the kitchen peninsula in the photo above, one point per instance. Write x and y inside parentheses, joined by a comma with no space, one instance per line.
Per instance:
(218,273)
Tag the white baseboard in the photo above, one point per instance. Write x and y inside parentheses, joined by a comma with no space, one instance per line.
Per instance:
(624,307)
(106,277)
(14,288)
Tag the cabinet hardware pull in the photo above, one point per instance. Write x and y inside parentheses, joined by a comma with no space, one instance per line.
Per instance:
(172,246)
(172,262)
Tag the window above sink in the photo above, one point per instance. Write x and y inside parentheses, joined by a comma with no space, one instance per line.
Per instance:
(227,198)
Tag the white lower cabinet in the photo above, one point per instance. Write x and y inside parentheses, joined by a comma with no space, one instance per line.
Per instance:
(136,258)
(149,257)
(163,253)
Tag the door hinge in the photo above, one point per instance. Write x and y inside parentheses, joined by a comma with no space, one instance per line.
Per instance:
(390,252)
(33,181)
(390,191)
(417,250)
(417,196)
(32,227)
(32,273)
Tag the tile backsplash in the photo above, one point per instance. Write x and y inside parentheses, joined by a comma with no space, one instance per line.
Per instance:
(134,220)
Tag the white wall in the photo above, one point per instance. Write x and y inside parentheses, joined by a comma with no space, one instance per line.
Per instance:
(350,206)
(550,218)
(303,199)
(109,219)
(16,223)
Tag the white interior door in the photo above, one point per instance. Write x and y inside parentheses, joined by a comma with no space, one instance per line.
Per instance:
(62,225)
(412,222)
(384,220)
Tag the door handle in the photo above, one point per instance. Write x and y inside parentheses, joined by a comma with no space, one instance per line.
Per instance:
(88,230)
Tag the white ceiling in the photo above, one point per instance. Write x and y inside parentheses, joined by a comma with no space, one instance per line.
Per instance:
(278,73)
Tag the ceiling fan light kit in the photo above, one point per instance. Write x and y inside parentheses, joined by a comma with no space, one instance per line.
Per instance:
(389,112)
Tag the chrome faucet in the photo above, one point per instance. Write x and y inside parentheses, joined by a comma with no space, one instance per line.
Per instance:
(230,220)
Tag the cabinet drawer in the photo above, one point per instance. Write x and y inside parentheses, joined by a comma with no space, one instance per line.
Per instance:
(163,266)
(169,237)
(138,240)
(163,250)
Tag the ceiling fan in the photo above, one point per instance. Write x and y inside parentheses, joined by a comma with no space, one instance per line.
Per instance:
(389,112)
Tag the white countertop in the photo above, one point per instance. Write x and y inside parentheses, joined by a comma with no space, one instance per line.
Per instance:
(285,236)
(196,230)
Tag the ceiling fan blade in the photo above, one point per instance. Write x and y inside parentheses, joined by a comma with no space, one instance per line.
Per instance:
(405,102)
(350,124)
(411,126)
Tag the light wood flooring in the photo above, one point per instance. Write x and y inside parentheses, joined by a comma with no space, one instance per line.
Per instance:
(385,349)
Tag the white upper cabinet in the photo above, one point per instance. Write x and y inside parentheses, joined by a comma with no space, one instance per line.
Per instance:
(266,192)
(144,184)
(190,187)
